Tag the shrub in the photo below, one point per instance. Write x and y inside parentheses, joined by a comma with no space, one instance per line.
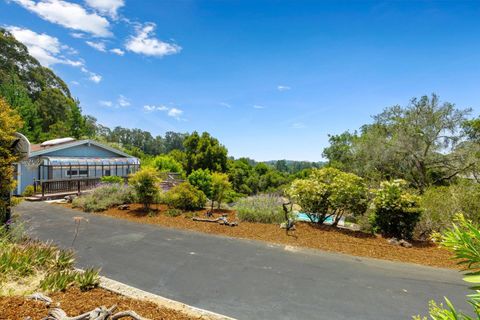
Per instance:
(145,182)
(172,212)
(167,164)
(330,192)
(202,180)
(261,208)
(186,197)
(104,197)
(440,204)
(88,279)
(112,179)
(58,280)
(30,190)
(220,188)
(396,211)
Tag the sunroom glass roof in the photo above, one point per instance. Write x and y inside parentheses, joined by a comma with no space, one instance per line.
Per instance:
(66,161)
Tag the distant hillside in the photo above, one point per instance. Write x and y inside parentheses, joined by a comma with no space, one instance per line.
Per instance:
(293,166)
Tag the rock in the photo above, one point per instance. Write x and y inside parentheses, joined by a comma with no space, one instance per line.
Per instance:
(70,198)
(394,241)
(405,243)
(123,207)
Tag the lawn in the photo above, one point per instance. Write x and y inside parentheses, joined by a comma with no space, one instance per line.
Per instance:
(306,235)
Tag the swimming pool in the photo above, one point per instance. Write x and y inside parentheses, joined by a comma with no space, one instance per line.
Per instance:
(304,217)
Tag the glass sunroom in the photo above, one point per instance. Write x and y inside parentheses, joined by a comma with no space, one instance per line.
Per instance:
(62,168)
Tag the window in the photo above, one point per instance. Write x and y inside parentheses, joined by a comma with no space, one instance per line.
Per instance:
(107,172)
(72,172)
(76,173)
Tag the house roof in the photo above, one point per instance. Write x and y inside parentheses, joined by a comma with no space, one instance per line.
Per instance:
(37,149)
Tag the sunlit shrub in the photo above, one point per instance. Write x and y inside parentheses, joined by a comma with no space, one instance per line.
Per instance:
(185,197)
(261,208)
(104,197)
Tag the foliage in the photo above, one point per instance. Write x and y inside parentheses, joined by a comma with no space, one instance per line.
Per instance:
(145,183)
(9,123)
(172,212)
(104,197)
(396,211)
(261,208)
(88,279)
(202,180)
(167,164)
(185,197)
(464,241)
(329,192)
(220,188)
(112,179)
(204,152)
(29,191)
(417,143)
(440,204)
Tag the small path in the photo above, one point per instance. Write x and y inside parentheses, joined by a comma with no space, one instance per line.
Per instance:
(245,279)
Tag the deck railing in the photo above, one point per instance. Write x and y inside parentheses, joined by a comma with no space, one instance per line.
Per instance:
(63,186)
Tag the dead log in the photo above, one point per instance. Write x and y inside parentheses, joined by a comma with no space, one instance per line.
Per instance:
(124,314)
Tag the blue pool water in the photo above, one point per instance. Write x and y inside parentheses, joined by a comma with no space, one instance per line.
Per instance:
(304,217)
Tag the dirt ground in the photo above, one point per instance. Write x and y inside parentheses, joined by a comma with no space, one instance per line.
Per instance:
(306,235)
(75,302)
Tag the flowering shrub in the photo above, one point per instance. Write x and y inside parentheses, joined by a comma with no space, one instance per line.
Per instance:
(261,208)
(104,197)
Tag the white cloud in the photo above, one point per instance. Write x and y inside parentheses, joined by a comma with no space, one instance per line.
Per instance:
(256,106)
(143,42)
(100,45)
(117,51)
(69,15)
(224,104)
(95,77)
(106,103)
(122,101)
(109,7)
(46,49)
(175,113)
(76,83)
(150,108)
(298,125)
(78,35)
(283,88)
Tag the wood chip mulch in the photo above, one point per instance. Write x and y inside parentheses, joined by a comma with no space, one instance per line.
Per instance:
(306,235)
(75,302)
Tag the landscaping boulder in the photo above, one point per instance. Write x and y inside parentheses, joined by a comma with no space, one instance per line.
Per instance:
(70,198)
(405,243)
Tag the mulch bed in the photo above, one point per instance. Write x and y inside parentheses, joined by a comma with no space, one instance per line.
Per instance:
(306,235)
(75,302)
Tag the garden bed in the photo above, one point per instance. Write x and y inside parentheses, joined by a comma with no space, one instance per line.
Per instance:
(75,302)
(306,235)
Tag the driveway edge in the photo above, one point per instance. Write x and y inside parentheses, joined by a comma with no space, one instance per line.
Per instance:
(135,293)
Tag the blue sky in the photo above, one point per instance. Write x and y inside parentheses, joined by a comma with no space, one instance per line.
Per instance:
(269,79)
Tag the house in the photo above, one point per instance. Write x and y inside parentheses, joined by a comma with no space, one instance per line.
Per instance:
(65,165)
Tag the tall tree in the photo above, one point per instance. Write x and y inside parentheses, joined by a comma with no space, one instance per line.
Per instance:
(205,152)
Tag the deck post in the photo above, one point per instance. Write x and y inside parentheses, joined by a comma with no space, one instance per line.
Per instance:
(78,187)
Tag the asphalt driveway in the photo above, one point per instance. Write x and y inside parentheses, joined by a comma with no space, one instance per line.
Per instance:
(241,278)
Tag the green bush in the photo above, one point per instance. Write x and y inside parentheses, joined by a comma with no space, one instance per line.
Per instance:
(104,197)
(112,179)
(185,197)
(58,280)
(145,182)
(202,180)
(88,279)
(329,192)
(440,204)
(172,212)
(396,211)
(261,208)
(30,190)
(167,164)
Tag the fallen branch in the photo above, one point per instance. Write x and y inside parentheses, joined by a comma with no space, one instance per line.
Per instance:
(221,220)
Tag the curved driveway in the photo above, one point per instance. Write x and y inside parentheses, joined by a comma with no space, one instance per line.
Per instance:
(241,278)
